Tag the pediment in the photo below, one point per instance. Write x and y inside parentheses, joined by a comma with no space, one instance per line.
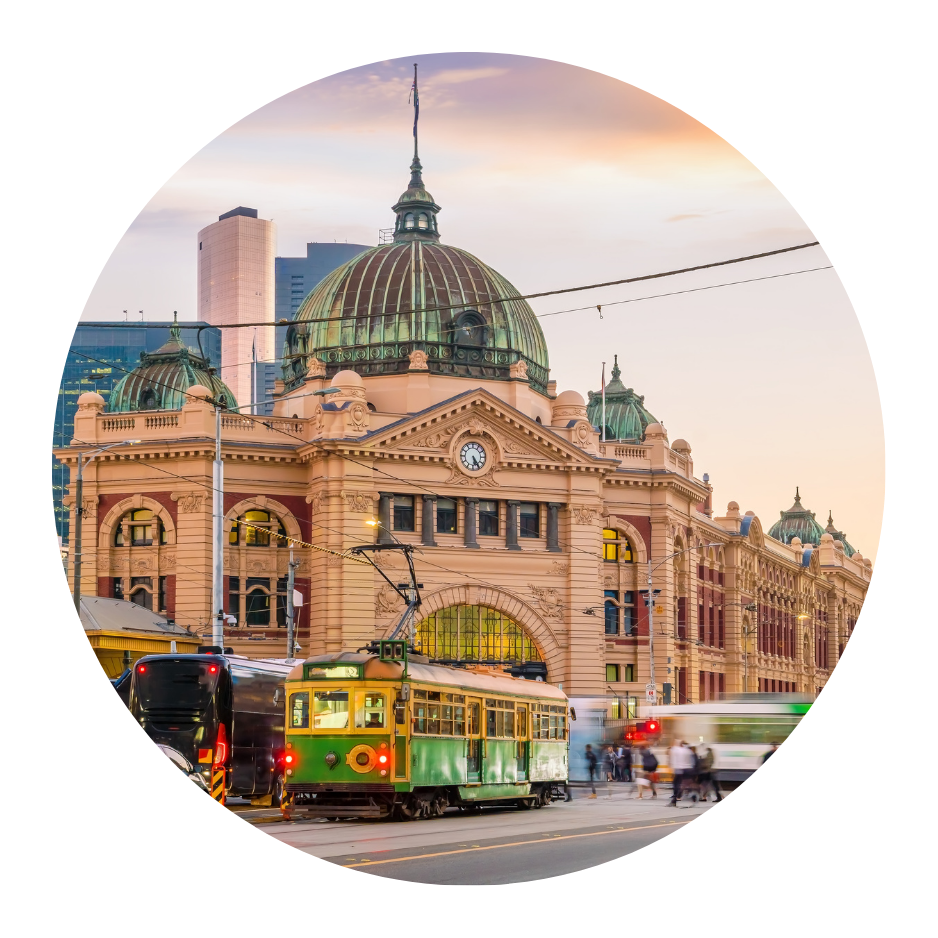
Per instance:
(519,439)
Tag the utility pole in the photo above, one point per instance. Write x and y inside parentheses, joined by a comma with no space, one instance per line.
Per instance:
(290,611)
(218,517)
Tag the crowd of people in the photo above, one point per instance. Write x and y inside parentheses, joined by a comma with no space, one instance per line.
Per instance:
(691,767)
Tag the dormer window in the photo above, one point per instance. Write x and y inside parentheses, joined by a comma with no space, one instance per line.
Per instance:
(422,221)
(409,220)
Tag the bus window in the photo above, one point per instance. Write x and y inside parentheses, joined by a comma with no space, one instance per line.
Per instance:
(299,711)
(330,710)
(371,711)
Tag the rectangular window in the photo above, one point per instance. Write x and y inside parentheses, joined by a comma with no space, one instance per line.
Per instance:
(629,624)
(682,617)
(117,588)
(161,593)
(299,710)
(330,710)
(628,675)
(488,518)
(721,634)
(234,588)
(612,674)
(700,623)
(371,711)
(611,612)
(530,519)
(403,513)
(445,515)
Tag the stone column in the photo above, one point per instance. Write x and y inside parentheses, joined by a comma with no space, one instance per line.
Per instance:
(553,526)
(384,518)
(426,521)
(470,526)
(511,525)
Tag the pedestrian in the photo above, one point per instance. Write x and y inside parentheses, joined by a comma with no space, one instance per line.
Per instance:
(765,758)
(705,773)
(682,766)
(609,763)
(649,774)
(626,762)
(591,765)
(620,764)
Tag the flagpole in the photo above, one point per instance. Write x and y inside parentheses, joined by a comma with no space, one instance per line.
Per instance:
(416,110)
(604,404)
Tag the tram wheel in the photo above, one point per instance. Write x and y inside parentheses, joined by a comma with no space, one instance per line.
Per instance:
(543,797)
(406,810)
(525,804)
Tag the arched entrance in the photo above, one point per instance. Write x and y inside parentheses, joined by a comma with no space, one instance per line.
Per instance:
(475,634)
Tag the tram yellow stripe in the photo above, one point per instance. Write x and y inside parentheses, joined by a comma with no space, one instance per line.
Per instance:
(517,843)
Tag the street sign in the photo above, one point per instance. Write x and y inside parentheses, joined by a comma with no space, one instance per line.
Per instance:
(651,694)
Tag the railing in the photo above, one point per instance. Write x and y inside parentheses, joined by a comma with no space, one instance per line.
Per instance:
(623,451)
(283,426)
(233,422)
(113,424)
(162,420)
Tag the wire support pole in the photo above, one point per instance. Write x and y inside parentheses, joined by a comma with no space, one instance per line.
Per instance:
(218,556)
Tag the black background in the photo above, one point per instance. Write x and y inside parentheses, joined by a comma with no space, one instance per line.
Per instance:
(95,83)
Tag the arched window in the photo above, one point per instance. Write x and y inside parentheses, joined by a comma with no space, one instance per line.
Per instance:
(475,634)
(148,399)
(141,591)
(257,605)
(258,526)
(422,221)
(409,220)
(143,527)
(616,547)
(469,329)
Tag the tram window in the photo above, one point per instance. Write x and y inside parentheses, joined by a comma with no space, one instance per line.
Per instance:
(446,720)
(299,711)
(330,709)
(459,721)
(434,695)
(490,723)
(371,712)
(420,695)
(474,719)
(522,722)
(420,718)
(433,719)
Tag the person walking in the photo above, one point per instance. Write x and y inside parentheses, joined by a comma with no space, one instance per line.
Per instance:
(609,764)
(649,772)
(682,765)
(591,766)
(620,763)
(626,751)
(765,758)
(705,774)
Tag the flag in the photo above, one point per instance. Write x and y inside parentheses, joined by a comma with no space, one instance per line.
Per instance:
(416,99)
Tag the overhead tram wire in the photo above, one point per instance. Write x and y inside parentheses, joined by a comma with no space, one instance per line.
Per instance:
(505,299)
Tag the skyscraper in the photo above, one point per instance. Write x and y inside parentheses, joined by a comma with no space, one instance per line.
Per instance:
(236,285)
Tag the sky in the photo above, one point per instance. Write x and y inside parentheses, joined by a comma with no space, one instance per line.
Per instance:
(558,176)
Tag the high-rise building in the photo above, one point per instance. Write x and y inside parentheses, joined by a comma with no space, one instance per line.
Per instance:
(236,285)
(100,355)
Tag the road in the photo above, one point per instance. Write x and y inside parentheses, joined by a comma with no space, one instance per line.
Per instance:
(497,846)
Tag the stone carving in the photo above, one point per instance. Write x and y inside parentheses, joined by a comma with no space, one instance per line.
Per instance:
(188,502)
(559,569)
(140,565)
(386,561)
(569,410)
(387,601)
(359,501)
(439,439)
(418,360)
(316,369)
(519,370)
(583,515)
(333,560)
(118,563)
(167,563)
(514,448)
(89,506)
(458,478)
(357,416)
(259,566)
(548,601)
(581,433)
(315,503)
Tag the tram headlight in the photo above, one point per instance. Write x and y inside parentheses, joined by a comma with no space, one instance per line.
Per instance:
(382,758)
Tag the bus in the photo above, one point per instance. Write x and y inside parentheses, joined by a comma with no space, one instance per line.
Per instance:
(739,730)
(385,733)
(217,711)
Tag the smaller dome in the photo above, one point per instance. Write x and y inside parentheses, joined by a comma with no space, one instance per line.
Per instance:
(733,506)
(569,398)
(199,391)
(827,539)
(90,399)
(347,379)
(683,447)
(656,430)
(626,417)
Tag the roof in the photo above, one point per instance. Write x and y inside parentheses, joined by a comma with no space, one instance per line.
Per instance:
(796,522)
(626,416)
(102,614)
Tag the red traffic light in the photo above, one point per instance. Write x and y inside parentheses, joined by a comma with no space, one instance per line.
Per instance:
(141,668)
(651,726)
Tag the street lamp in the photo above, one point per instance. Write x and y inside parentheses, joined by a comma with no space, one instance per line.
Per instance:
(652,688)
(218,534)
(83,460)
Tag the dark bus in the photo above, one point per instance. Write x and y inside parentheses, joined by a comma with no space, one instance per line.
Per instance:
(217,710)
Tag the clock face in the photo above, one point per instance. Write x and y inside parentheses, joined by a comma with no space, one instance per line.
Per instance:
(472,456)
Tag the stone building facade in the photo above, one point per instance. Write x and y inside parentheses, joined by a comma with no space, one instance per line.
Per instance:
(443,429)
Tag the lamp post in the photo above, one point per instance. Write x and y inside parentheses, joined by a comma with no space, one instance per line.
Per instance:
(651,610)
(83,460)
(218,524)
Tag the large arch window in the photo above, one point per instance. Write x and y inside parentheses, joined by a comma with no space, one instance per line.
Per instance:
(475,634)
(143,527)
(257,526)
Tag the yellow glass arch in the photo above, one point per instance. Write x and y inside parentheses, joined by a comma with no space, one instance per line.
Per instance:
(475,633)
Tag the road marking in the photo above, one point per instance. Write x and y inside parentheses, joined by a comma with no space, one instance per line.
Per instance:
(518,843)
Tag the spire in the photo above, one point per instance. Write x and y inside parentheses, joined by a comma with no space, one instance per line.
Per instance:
(615,368)
(174,328)
(415,210)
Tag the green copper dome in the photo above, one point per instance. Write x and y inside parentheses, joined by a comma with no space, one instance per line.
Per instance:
(797,522)
(412,295)
(838,535)
(626,417)
(162,378)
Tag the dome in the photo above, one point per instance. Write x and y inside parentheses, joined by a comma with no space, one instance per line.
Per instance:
(569,399)
(626,417)
(838,535)
(90,399)
(796,522)
(416,294)
(163,379)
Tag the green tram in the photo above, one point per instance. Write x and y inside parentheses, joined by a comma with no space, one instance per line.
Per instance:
(384,733)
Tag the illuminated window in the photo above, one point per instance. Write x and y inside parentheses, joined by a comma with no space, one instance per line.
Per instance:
(612,675)
(474,633)
(615,547)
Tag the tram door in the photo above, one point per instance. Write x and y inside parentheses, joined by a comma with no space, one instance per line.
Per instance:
(474,743)
(521,716)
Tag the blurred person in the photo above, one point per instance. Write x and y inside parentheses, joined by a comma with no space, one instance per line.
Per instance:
(609,763)
(621,768)
(765,758)
(705,778)
(627,761)
(591,765)
(682,766)
(649,774)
